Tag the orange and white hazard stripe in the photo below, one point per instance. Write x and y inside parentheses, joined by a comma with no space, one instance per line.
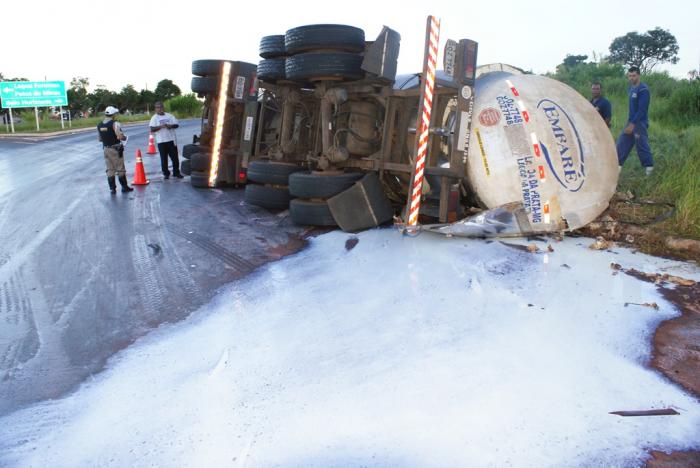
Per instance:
(433,38)
(219,120)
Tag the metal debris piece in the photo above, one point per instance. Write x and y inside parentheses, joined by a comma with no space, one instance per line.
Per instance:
(654,412)
(550,248)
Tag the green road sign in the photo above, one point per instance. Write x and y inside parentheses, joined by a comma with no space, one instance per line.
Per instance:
(16,94)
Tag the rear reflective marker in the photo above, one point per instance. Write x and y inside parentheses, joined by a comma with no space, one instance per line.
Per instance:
(219,123)
(512,88)
(535,144)
(523,111)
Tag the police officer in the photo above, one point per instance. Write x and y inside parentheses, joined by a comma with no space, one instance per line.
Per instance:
(601,104)
(109,132)
(635,132)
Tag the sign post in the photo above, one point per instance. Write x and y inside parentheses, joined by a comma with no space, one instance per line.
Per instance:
(60,112)
(12,121)
(22,94)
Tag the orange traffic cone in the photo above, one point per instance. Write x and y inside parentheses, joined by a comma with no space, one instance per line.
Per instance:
(151,144)
(139,173)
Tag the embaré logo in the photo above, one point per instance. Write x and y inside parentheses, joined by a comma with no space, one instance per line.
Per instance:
(567,161)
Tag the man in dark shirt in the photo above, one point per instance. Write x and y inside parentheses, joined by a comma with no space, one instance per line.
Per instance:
(636,130)
(601,104)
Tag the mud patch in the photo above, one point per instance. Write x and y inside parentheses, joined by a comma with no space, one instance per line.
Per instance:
(677,351)
(674,460)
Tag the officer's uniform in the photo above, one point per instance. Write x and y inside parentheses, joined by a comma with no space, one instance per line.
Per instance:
(110,134)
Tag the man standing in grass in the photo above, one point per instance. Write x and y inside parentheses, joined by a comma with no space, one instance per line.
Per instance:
(635,132)
(601,104)
(163,126)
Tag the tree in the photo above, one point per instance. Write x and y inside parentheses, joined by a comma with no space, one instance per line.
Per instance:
(101,98)
(128,98)
(166,89)
(571,61)
(146,100)
(644,50)
(78,94)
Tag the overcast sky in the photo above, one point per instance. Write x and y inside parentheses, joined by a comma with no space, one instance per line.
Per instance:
(142,42)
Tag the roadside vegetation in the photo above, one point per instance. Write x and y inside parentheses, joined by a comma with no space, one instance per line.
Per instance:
(674,137)
(47,124)
(86,107)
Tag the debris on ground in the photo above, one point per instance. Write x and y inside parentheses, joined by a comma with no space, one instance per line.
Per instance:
(532,248)
(600,244)
(351,243)
(654,412)
(660,278)
(624,196)
(652,305)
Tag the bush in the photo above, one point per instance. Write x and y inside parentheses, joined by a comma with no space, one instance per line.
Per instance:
(683,106)
(186,105)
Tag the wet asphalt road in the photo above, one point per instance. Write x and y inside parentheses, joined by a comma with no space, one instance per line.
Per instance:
(83,273)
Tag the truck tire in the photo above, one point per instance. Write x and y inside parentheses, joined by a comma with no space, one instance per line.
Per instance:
(189,150)
(324,36)
(207,67)
(273,198)
(316,185)
(310,213)
(318,65)
(200,161)
(271,70)
(185,167)
(271,172)
(272,46)
(205,84)
(199,179)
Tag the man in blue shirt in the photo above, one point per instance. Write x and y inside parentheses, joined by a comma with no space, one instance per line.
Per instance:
(635,132)
(601,104)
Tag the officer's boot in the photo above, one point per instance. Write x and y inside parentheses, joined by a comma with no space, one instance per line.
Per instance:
(112,184)
(125,186)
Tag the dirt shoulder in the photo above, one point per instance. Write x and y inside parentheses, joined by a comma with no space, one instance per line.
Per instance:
(676,351)
(644,225)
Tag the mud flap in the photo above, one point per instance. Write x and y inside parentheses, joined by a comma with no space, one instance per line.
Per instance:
(362,206)
(382,55)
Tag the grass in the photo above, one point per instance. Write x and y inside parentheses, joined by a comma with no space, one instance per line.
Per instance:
(674,137)
(28,124)
(48,125)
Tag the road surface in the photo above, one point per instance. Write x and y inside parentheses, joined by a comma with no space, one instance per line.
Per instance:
(83,273)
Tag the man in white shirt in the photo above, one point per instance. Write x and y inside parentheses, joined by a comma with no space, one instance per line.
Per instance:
(163,126)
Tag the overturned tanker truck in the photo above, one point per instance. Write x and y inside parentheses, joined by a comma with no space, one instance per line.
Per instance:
(329,131)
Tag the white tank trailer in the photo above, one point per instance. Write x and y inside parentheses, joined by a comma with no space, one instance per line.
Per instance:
(541,159)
